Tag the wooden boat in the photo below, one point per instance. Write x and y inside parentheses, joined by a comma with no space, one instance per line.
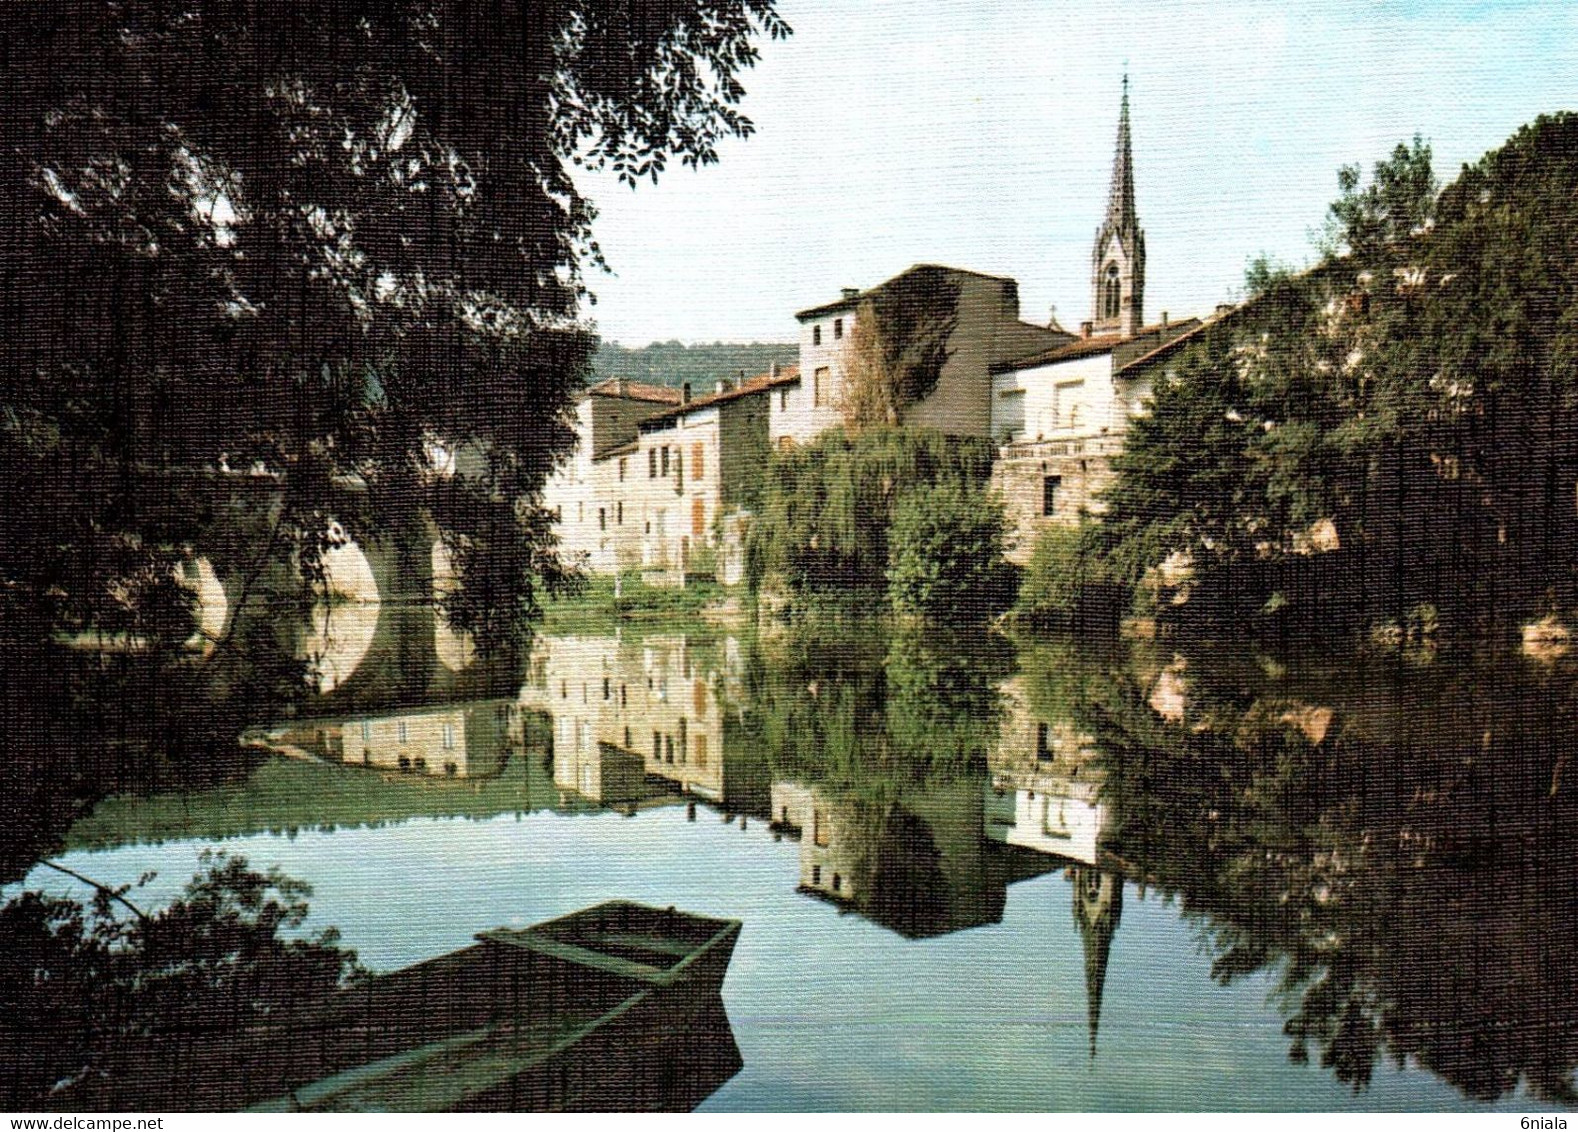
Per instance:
(613,1007)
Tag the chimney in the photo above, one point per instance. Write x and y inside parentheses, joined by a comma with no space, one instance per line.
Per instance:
(1164,320)
(851,293)
(1085,329)
(684,394)
(622,386)
(773,371)
(1223,308)
(721,385)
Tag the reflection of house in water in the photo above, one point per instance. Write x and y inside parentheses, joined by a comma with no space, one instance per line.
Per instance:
(1045,788)
(918,866)
(635,717)
(463,740)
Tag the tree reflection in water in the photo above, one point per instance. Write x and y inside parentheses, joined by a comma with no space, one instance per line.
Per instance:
(1393,842)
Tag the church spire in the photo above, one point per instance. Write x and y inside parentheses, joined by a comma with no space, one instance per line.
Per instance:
(1098,906)
(1118,259)
(1120,201)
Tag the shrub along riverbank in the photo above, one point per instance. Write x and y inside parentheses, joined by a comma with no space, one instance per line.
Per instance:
(894,514)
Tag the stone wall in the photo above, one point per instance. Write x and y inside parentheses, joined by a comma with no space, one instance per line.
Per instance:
(1082,468)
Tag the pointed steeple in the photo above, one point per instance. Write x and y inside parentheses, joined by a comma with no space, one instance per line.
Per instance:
(1098,906)
(1118,260)
(1120,201)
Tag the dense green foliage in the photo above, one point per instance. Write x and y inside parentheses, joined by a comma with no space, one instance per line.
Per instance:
(700,364)
(101,1005)
(1070,581)
(945,551)
(827,506)
(1412,398)
(260,262)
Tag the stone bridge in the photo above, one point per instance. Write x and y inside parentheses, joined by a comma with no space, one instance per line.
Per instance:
(375,637)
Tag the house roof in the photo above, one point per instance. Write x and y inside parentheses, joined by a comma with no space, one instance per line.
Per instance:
(761,383)
(1159,335)
(635,391)
(624,449)
(1170,345)
(855,300)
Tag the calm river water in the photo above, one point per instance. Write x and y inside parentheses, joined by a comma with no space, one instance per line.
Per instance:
(974,873)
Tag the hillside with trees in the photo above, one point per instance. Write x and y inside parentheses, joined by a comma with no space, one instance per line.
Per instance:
(674,363)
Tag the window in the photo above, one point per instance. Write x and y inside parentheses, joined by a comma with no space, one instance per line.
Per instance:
(580,511)
(783,399)
(651,463)
(367,730)
(665,459)
(622,704)
(1066,399)
(1112,290)
(838,883)
(816,336)
(657,747)
(819,386)
(838,329)
(818,829)
(619,513)
(785,443)
(698,517)
(449,736)
(697,462)
(816,874)
(701,750)
(622,462)
(608,688)
(1049,488)
(400,729)
(602,518)
(627,738)
(1043,748)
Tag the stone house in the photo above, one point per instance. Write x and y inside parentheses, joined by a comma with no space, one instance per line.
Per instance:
(584,491)
(692,465)
(987,331)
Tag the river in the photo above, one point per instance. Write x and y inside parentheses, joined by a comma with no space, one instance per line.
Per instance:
(974,872)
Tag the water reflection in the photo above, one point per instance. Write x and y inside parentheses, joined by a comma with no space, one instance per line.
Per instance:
(1386,844)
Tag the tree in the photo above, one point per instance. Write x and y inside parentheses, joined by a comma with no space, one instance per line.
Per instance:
(1398,202)
(316,242)
(823,526)
(96,998)
(898,346)
(946,554)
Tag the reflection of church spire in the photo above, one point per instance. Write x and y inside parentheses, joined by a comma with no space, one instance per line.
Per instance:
(1098,906)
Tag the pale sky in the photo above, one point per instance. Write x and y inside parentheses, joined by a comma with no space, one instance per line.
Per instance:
(979,134)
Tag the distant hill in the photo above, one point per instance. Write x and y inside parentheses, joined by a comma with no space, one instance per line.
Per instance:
(674,363)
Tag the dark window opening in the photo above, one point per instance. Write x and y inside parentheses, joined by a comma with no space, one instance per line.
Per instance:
(1049,488)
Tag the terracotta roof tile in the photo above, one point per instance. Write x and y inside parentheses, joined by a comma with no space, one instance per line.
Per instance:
(758,384)
(635,391)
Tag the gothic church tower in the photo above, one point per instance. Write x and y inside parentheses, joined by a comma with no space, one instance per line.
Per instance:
(1118,260)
